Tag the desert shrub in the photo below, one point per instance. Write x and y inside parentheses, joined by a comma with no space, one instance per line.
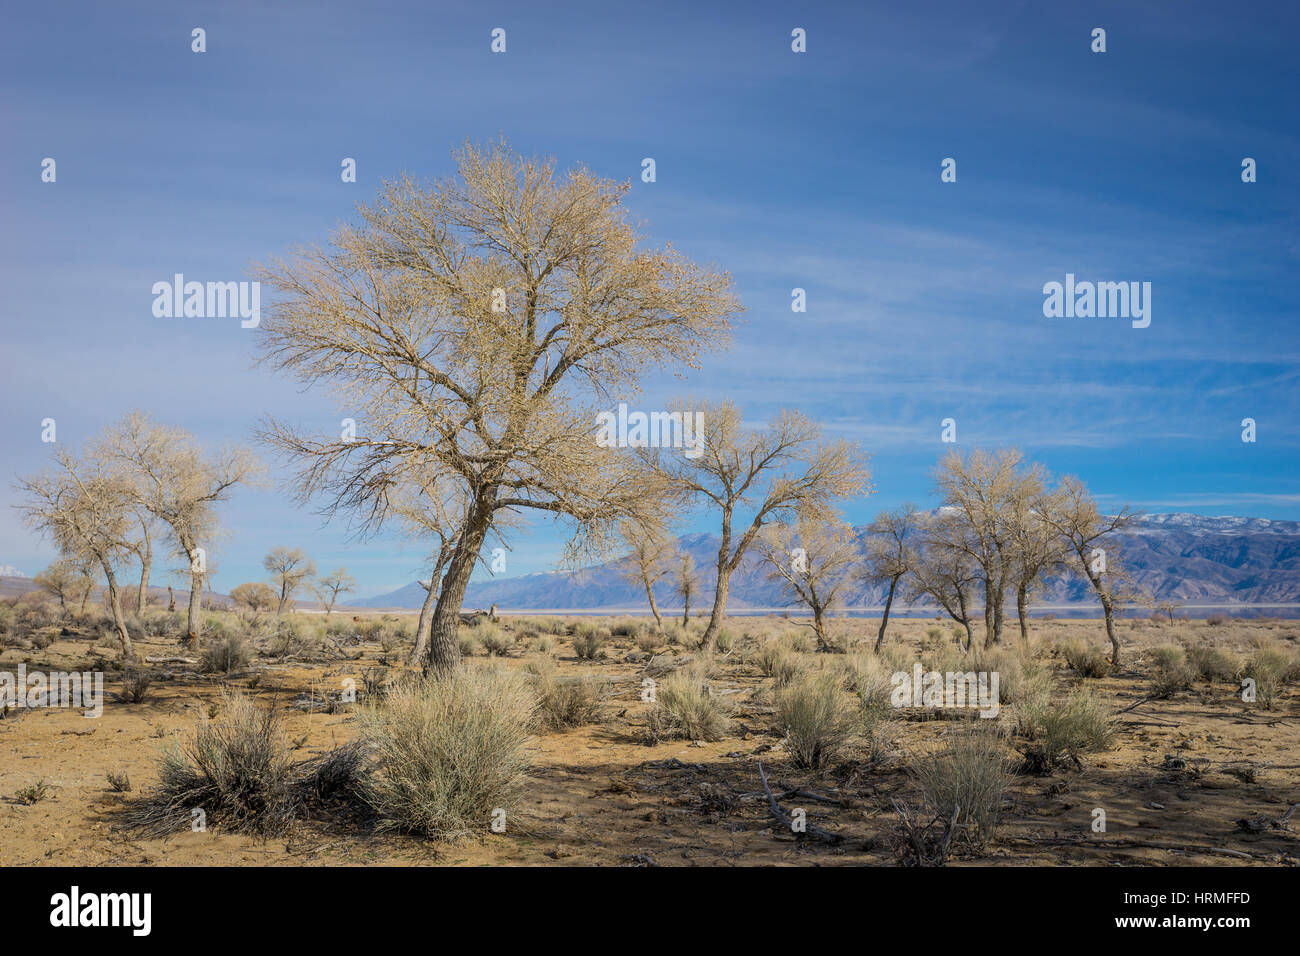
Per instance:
(119,782)
(42,640)
(1061,732)
(870,676)
(467,641)
(817,718)
(1085,660)
(448,751)
(800,642)
(34,793)
(626,628)
(587,642)
(649,639)
(226,656)
(1216,620)
(967,779)
(571,702)
(237,770)
(135,685)
(933,639)
(1267,667)
(725,640)
(341,627)
(1211,663)
(1172,672)
(496,641)
(8,619)
(685,709)
(1010,666)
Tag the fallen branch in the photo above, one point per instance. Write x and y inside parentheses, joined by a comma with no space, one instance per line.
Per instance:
(787,821)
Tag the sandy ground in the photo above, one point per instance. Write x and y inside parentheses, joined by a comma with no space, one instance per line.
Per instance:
(1184,773)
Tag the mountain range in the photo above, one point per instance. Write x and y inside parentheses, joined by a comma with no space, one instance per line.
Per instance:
(1184,558)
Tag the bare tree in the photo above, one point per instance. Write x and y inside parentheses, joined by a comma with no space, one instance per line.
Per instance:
(254,595)
(777,473)
(329,587)
(172,479)
(815,559)
(944,570)
(890,555)
(289,569)
(1088,534)
(648,561)
(86,510)
(471,324)
(67,579)
(981,491)
(686,582)
(142,547)
(1034,545)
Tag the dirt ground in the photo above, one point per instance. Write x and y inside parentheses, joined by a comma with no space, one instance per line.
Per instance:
(1204,777)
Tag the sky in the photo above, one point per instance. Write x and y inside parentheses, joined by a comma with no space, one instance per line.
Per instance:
(819,170)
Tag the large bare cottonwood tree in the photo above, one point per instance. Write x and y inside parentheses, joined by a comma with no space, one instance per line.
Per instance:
(478,324)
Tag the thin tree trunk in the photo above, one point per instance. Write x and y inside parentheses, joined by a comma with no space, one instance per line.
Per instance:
(171,600)
(686,607)
(192,619)
(1108,606)
(654,606)
(965,619)
(999,613)
(115,605)
(719,613)
(142,595)
(426,618)
(884,620)
(1022,609)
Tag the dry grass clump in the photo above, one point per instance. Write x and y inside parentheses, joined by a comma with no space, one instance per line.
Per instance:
(1171,671)
(870,676)
(588,640)
(1212,663)
(493,638)
(649,640)
(967,780)
(135,685)
(817,718)
(448,751)
(1085,660)
(1269,668)
(237,770)
(564,703)
(224,656)
(777,660)
(1060,732)
(684,708)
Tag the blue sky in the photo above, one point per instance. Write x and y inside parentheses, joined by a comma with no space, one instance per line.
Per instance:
(818,170)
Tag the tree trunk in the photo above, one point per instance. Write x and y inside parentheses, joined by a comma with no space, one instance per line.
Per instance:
(719,613)
(171,600)
(1022,610)
(654,607)
(196,598)
(444,649)
(989,601)
(819,626)
(686,607)
(1108,606)
(422,628)
(884,620)
(115,605)
(965,619)
(142,595)
(998,614)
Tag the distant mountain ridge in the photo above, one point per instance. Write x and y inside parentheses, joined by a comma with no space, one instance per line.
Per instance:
(1184,558)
